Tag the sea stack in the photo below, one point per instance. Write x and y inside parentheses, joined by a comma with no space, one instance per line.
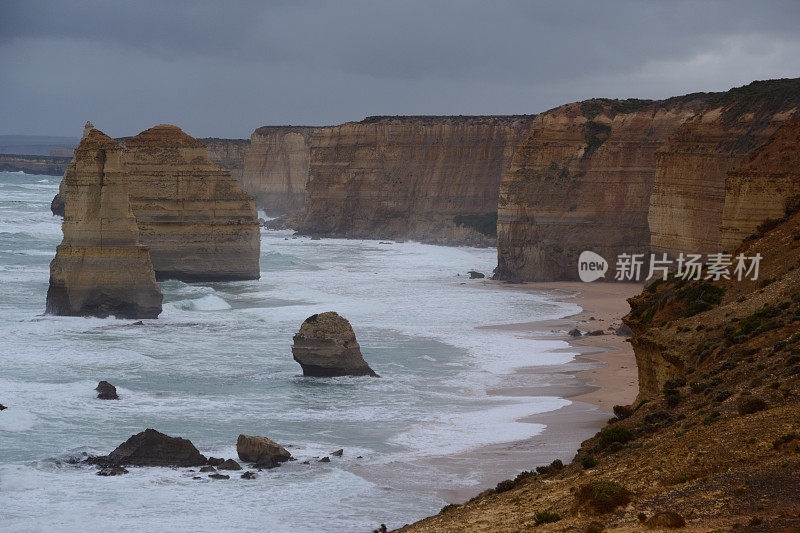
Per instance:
(100,268)
(197,222)
(326,346)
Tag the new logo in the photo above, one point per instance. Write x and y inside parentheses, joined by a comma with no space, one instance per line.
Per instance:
(591,266)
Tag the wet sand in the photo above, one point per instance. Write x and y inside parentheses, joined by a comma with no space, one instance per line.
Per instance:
(601,376)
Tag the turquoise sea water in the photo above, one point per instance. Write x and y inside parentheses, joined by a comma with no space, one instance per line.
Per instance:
(218,363)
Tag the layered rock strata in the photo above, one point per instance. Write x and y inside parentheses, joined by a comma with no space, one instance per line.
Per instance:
(582,181)
(197,222)
(326,346)
(629,176)
(688,195)
(763,186)
(276,168)
(101,268)
(227,154)
(432,179)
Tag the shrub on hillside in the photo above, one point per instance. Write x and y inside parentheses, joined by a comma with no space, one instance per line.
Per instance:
(603,496)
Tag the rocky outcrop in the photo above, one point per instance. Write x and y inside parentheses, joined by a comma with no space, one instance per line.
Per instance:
(34,164)
(261,451)
(582,181)
(326,346)
(763,186)
(100,268)
(227,154)
(432,179)
(197,222)
(106,391)
(689,189)
(152,448)
(276,168)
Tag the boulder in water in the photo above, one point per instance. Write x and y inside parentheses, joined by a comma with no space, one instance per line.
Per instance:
(326,346)
(474,274)
(261,451)
(230,464)
(106,391)
(152,448)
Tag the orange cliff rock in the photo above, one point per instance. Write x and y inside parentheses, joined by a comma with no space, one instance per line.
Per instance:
(765,186)
(276,168)
(197,222)
(433,179)
(100,268)
(629,177)
(582,181)
(686,205)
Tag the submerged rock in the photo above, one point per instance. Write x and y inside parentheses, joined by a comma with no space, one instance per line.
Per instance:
(248,475)
(106,391)
(152,448)
(326,346)
(325,460)
(112,471)
(219,476)
(338,453)
(100,268)
(474,274)
(574,332)
(261,451)
(208,468)
(2,407)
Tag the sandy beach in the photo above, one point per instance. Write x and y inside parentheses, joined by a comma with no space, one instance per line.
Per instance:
(603,306)
(603,375)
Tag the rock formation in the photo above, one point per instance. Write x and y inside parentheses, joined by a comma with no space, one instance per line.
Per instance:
(276,168)
(101,268)
(34,164)
(626,176)
(689,189)
(261,451)
(763,186)
(106,391)
(432,179)
(326,346)
(197,222)
(227,154)
(152,448)
(582,181)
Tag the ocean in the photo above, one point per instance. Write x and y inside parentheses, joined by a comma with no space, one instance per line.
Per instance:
(218,362)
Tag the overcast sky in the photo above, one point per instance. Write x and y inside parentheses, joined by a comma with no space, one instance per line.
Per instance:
(223,68)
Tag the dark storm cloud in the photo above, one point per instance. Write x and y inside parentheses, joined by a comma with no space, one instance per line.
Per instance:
(224,68)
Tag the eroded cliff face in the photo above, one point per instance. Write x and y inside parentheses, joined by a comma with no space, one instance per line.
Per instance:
(100,267)
(763,186)
(689,189)
(433,179)
(276,168)
(227,154)
(198,224)
(34,164)
(629,177)
(582,181)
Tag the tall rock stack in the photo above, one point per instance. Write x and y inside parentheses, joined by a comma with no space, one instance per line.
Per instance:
(100,268)
(197,222)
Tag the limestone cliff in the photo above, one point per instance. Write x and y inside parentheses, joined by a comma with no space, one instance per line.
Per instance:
(432,179)
(581,181)
(197,222)
(100,268)
(629,176)
(689,189)
(763,186)
(227,154)
(276,168)
(34,164)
